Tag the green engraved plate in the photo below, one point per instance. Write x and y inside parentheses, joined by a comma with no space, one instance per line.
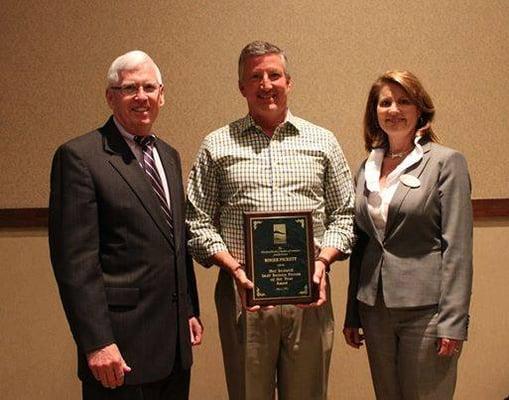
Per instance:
(280,257)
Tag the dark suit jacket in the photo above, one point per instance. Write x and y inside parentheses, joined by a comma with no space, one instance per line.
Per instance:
(122,279)
(425,256)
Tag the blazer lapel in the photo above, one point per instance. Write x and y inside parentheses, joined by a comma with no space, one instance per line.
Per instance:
(126,164)
(171,171)
(362,213)
(403,190)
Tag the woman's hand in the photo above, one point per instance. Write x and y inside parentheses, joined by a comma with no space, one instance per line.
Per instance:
(449,347)
(353,337)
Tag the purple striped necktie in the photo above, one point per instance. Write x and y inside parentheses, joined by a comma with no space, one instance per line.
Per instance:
(147,143)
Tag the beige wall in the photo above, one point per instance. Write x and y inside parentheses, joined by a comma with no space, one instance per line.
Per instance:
(37,355)
(54,54)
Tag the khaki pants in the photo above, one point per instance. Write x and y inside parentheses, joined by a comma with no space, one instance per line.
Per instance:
(286,348)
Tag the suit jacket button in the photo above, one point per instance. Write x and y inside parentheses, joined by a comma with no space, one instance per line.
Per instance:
(174,297)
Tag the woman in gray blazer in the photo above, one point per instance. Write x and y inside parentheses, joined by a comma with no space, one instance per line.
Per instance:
(411,268)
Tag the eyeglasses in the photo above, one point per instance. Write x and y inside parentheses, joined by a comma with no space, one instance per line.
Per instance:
(131,89)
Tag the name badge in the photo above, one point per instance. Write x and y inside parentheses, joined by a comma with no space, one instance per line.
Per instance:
(410,181)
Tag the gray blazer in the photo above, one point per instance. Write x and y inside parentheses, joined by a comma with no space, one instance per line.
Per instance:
(425,257)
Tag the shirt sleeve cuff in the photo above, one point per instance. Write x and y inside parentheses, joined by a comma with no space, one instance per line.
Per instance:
(338,241)
(205,254)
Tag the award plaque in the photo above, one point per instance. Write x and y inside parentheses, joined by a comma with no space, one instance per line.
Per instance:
(279,251)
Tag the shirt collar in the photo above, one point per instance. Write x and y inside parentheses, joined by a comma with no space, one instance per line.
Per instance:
(247,123)
(128,136)
(374,165)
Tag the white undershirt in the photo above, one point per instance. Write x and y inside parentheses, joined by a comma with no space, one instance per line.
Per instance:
(379,199)
(138,153)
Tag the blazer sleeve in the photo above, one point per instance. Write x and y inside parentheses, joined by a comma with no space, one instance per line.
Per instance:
(352,319)
(192,290)
(457,228)
(74,249)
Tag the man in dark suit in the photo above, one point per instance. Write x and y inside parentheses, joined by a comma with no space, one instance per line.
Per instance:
(118,246)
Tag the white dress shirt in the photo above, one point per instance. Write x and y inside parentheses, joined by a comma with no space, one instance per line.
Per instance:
(380,198)
(138,153)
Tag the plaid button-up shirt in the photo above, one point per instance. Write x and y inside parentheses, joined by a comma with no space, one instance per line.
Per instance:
(239,168)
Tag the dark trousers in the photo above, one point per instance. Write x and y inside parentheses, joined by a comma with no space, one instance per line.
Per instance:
(173,387)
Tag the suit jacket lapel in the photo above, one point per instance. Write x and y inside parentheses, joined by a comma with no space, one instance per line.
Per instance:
(171,171)
(402,190)
(126,164)
(363,213)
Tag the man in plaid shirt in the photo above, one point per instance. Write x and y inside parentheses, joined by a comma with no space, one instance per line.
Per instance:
(270,160)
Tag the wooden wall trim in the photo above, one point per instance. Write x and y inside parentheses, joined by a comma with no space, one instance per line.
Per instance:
(38,217)
(23,217)
(490,208)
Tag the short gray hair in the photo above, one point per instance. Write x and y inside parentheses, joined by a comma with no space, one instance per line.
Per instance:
(127,61)
(259,48)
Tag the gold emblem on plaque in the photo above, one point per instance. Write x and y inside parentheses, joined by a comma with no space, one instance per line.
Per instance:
(279,233)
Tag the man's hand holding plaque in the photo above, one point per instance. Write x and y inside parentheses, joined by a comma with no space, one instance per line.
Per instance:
(226,261)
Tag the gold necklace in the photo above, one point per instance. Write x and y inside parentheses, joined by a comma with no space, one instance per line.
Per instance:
(398,155)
